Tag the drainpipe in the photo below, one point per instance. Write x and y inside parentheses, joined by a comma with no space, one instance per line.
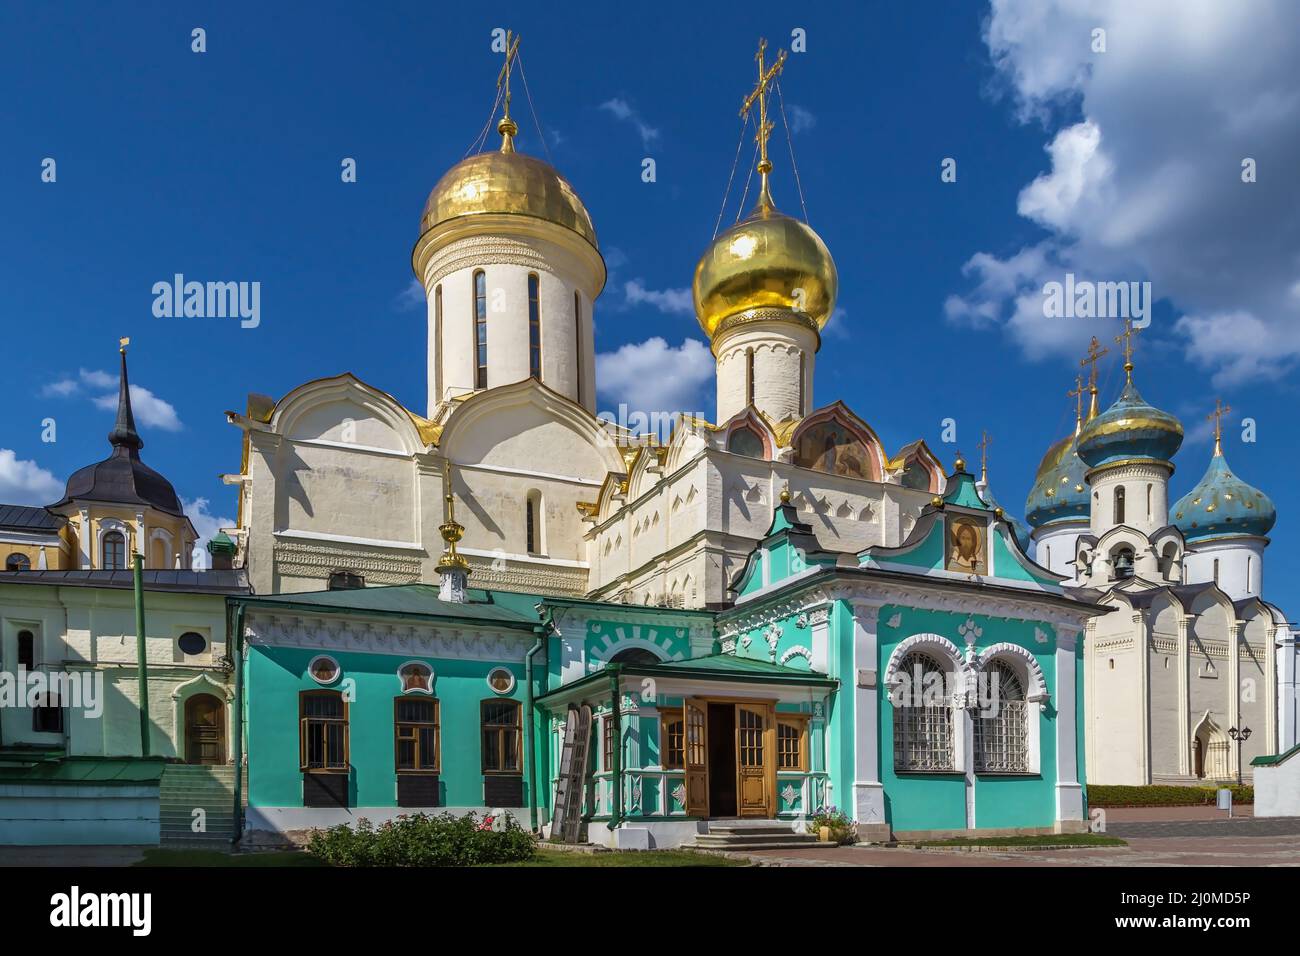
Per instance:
(142,670)
(235,644)
(530,704)
(616,719)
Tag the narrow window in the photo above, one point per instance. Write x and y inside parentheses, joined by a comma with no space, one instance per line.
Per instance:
(577,345)
(1119,505)
(607,729)
(114,551)
(1250,572)
(480,329)
(415,730)
(534,327)
(1216,570)
(672,738)
(1001,737)
(1148,502)
(500,727)
(323,729)
(26,650)
(749,376)
(47,715)
(437,340)
(533,522)
(791,749)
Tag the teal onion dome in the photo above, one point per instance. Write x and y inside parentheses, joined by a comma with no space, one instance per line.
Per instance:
(1060,492)
(1222,505)
(1130,430)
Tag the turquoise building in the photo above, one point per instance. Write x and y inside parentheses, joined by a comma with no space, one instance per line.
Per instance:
(927,689)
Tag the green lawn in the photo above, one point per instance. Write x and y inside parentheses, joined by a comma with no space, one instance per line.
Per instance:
(544,857)
(217,858)
(1051,839)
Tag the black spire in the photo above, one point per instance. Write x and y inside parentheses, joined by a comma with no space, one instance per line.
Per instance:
(124,435)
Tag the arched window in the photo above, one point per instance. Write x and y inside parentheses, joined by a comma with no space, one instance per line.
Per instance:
(533,522)
(114,551)
(18,562)
(749,376)
(480,329)
(534,327)
(1169,560)
(1148,502)
(346,581)
(1119,505)
(437,338)
(1002,729)
(577,346)
(923,738)
(1216,570)
(743,441)
(1122,562)
(634,655)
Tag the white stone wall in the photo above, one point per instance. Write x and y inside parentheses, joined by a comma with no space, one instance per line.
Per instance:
(1146,498)
(780,351)
(1055,547)
(1235,564)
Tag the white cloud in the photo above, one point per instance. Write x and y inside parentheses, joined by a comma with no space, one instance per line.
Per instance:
(620,109)
(150,410)
(800,118)
(673,301)
(1144,178)
(24,482)
(836,326)
(206,525)
(410,298)
(652,376)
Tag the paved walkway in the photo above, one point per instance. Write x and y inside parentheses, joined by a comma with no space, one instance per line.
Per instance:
(70,855)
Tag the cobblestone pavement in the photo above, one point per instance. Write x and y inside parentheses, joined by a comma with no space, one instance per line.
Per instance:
(1236,827)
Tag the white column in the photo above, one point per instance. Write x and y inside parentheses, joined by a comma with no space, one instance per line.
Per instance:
(1069,794)
(1141,643)
(868,791)
(140,543)
(1287,712)
(1184,697)
(1234,692)
(84,539)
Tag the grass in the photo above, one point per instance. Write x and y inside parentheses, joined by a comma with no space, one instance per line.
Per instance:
(1050,839)
(217,858)
(637,858)
(544,857)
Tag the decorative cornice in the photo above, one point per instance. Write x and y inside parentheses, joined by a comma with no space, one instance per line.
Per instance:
(538,578)
(358,635)
(318,560)
(475,251)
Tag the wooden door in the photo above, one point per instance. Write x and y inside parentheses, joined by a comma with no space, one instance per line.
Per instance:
(205,730)
(696,758)
(753,760)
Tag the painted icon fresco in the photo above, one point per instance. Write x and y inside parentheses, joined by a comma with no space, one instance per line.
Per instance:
(966,546)
(832,448)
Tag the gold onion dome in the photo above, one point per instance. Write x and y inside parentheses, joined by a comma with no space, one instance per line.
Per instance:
(504,182)
(767,261)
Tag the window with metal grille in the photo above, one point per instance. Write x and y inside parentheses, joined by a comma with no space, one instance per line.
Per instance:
(480,330)
(1001,736)
(534,327)
(922,729)
(324,731)
(791,754)
(500,726)
(114,550)
(415,726)
(672,736)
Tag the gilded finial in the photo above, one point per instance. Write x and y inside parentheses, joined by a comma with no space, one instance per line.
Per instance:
(1216,416)
(959,465)
(450,529)
(1095,352)
(785,495)
(507,127)
(1126,339)
(759,94)
(983,446)
(122,343)
(1077,394)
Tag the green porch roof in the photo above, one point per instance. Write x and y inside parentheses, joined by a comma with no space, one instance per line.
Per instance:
(714,667)
(98,771)
(1269,760)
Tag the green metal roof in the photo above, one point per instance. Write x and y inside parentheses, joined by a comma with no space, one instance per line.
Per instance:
(98,771)
(735,664)
(1269,760)
(715,667)
(413,600)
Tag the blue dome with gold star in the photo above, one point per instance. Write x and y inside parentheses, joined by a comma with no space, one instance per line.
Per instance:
(1059,492)
(1129,430)
(1222,505)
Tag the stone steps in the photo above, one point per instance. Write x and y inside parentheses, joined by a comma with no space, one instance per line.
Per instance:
(185,788)
(741,835)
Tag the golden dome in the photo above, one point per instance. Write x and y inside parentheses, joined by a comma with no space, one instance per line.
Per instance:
(758,264)
(503,181)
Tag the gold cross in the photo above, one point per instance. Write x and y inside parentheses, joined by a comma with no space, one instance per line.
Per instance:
(1077,394)
(1095,352)
(1216,416)
(1126,337)
(759,94)
(983,446)
(507,127)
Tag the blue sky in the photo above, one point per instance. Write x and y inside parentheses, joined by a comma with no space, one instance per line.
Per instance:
(1117,165)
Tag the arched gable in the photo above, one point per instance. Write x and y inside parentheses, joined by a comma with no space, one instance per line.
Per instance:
(836,441)
(529,427)
(343,410)
(916,459)
(749,423)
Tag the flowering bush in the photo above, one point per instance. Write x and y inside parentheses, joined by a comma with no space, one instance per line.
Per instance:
(842,828)
(423,840)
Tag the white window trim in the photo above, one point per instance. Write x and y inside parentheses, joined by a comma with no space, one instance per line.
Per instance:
(311,669)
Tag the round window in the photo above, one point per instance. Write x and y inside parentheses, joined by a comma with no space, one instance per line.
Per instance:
(501,680)
(192,642)
(323,669)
